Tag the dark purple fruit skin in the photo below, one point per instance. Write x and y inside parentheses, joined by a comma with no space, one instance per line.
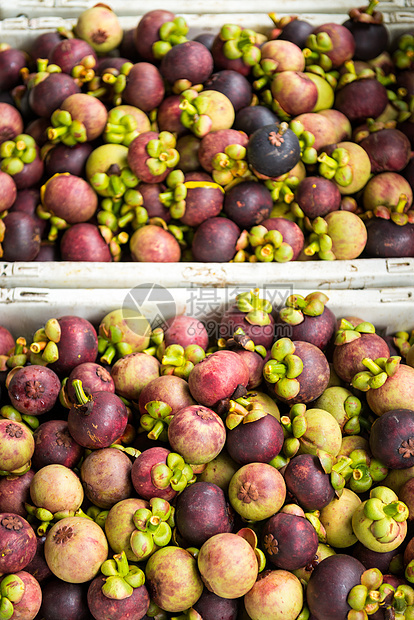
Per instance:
(272,160)
(145,87)
(150,193)
(232,84)
(361,99)
(169,115)
(330,584)
(69,53)
(66,601)
(290,231)
(206,38)
(21,238)
(343,43)
(11,122)
(314,377)
(289,542)
(190,61)
(347,358)
(215,241)
(222,62)
(48,252)
(34,389)
(43,44)
(70,197)
(54,444)
(50,93)
(254,363)
(373,559)
(14,492)
(31,173)
(233,318)
(141,474)
(213,607)
(216,142)
(94,377)
(388,150)
(147,31)
(185,330)
(84,242)
(307,482)
(317,196)
(255,442)
(202,203)
(201,512)
(296,31)
(250,118)
(78,344)
(389,435)
(70,159)
(370,39)
(17,543)
(248,204)
(11,61)
(38,566)
(132,608)
(100,422)
(317,330)
(385,239)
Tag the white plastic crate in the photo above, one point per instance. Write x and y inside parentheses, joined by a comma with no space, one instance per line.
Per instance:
(23,310)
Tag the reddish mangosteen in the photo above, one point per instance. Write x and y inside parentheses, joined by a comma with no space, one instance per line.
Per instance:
(147,31)
(202,511)
(294,93)
(70,198)
(25,173)
(26,607)
(250,118)
(143,474)
(340,43)
(340,123)
(204,198)
(321,127)
(81,117)
(84,242)
(190,62)
(8,191)
(11,122)
(253,316)
(317,197)
(168,389)
(385,189)
(215,241)
(258,441)
(145,87)
(185,330)
(6,341)
(33,390)
(292,238)
(132,372)
(221,61)
(133,607)
(347,357)
(21,240)
(275,591)
(94,377)
(55,444)
(15,492)
(248,203)
(217,376)
(206,38)
(63,600)
(151,155)
(48,252)
(48,94)
(329,586)
(197,433)
(72,159)
(307,482)
(216,143)
(97,420)
(12,61)
(69,53)
(17,543)
(388,150)
(254,363)
(150,193)
(42,44)
(234,85)
(289,541)
(396,392)
(169,115)
(106,477)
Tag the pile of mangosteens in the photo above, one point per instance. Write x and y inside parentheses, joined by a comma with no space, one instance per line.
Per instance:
(146,145)
(257,468)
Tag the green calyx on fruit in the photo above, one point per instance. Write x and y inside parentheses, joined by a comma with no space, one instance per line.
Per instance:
(230,165)
(372,125)
(114,241)
(113,82)
(336,166)
(331,77)
(264,71)
(283,189)
(283,368)
(403,56)
(11,591)
(179,361)
(269,246)
(193,115)
(16,153)
(395,213)
(114,182)
(121,128)
(170,33)
(44,69)
(162,154)
(122,332)
(84,73)
(243,411)
(174,197)
(404,341)
(367,14)
(239,340)
(65,129)
(320,242)
(351,74)
(316,48)
(359,471)
(377,372)
(348,332)
(97,514)
(44,346)
(175,473)
(308,154)
(117,213)
(153,527)
(157,419)
(380,522)
(373,593)
(241,43)
(257,310)
(17,356)
(297,306)
(121,579)
(10,413)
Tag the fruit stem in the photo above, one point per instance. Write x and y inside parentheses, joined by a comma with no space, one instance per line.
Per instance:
(81,397)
